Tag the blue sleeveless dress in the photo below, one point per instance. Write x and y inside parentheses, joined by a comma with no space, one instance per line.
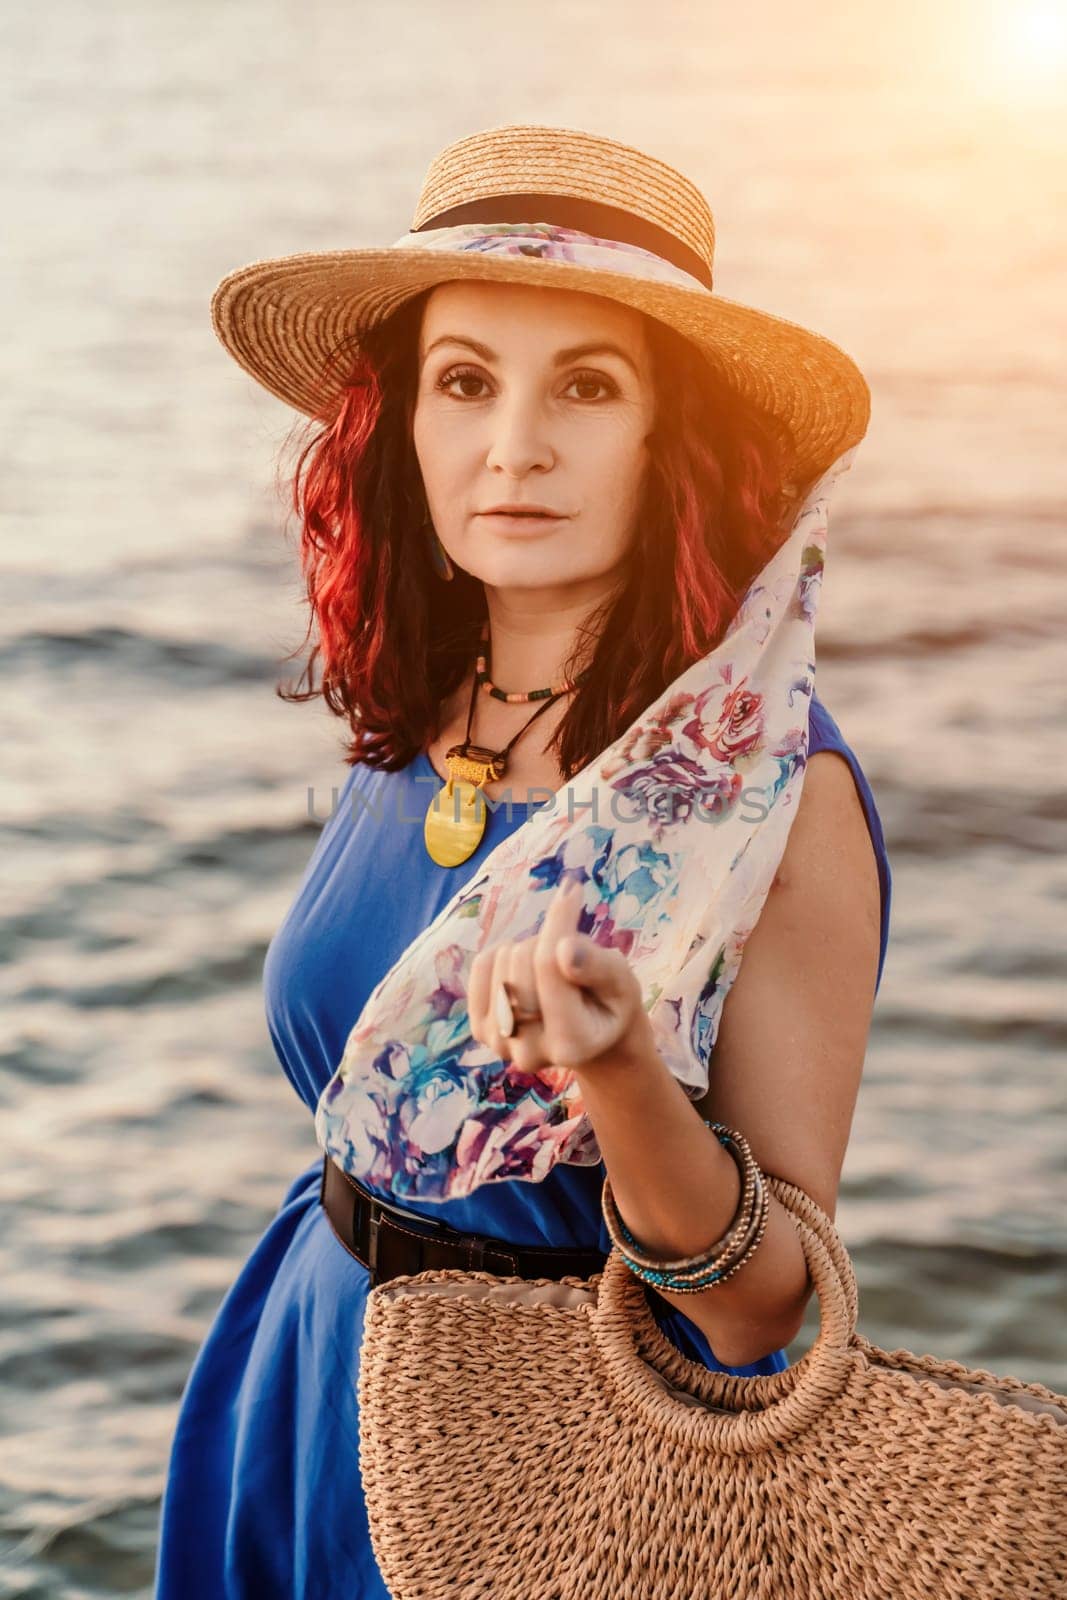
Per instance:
(263,1498)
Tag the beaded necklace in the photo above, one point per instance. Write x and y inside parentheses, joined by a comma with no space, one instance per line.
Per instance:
(453,831)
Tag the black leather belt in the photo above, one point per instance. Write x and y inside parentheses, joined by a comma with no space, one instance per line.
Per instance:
(389,1241)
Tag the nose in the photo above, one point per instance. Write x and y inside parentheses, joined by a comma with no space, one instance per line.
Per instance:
(519,437)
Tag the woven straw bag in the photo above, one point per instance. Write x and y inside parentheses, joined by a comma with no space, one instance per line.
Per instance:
(542,1440)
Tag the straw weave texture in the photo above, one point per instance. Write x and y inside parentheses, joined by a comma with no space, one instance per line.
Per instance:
(294,322)
(546,1441)
(568,161)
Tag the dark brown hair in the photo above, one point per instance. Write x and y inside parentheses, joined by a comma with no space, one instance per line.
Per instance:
(394,641)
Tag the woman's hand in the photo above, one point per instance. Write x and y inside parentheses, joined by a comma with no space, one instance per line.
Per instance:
(588,996)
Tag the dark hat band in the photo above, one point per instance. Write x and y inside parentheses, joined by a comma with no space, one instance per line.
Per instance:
(588,216)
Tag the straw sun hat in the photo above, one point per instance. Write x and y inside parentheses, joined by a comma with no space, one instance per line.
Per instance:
(556,206)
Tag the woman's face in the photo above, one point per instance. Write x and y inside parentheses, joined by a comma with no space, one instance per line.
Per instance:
(536,397)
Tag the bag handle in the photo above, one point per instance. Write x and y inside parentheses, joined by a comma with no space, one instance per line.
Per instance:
(800,1204)
(774,1406)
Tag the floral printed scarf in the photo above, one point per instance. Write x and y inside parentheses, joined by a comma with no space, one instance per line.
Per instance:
(674,833)
(548,241)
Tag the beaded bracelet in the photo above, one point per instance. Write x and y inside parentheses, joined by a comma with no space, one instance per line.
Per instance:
(738,1148)
(716,1272)
(713,1268)
(721,1260)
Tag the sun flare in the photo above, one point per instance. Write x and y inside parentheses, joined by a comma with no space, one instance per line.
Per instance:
(1030,46)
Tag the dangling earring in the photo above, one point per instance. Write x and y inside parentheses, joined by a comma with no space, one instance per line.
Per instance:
(439,555)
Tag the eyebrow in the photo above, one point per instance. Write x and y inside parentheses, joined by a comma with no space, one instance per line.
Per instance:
(573,352)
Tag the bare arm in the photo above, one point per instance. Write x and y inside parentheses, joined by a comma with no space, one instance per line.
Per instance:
(786,1070)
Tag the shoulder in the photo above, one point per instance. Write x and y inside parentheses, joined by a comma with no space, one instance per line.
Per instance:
(829,861)
(830,820)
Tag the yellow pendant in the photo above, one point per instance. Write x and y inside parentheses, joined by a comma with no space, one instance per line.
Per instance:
(455,817)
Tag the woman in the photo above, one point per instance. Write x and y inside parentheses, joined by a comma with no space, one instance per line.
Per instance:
(528,477)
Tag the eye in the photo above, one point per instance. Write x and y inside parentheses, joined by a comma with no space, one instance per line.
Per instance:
(596,380)
(459,375)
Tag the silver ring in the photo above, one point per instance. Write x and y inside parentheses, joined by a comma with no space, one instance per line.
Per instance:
(509,1015)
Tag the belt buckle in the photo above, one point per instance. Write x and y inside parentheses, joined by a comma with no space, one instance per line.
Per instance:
(478,1247)
(379,1212)
(372,1245)
(435,1224)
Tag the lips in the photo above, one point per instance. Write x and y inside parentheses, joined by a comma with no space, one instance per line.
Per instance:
(522,524)
(524,513)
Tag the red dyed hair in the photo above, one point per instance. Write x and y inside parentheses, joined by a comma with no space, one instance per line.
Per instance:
(394,640)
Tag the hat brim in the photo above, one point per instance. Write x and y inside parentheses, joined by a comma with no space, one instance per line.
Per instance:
(282,319)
